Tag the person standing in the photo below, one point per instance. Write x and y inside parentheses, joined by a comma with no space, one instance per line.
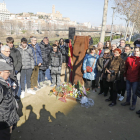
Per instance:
(90,40)
(27,66)
(114,69)
(132,77)
(107,46)
(55,63)
(64,50)
(44,68)
(122,45)
(121,84)
(37,62)
(90,60)
(8,104)
(17,60)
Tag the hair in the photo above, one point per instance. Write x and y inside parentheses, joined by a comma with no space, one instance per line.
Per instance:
(122,40)
(4,47)
(114,44)
(107,50)
(54,45)
(60,41)
(33,37)
(128,45)
(1,43)
(45,38)
(109,45)
(117,49)
(10,40)
(92,47)
(56,41)
(89,35)
(24,40)
(137,48)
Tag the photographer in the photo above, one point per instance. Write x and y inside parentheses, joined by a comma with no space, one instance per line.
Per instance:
(114,69)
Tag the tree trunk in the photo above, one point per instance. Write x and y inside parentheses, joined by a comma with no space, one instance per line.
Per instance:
(131,32)
(104,21)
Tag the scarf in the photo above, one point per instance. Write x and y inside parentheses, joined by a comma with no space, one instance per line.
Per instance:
(7,59)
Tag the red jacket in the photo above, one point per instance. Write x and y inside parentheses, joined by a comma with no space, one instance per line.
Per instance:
(132,68)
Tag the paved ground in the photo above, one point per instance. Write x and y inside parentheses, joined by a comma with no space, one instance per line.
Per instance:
(45,118)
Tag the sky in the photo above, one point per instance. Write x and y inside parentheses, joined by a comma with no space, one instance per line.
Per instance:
(77,10)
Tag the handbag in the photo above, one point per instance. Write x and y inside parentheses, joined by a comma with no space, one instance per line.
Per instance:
(88,68)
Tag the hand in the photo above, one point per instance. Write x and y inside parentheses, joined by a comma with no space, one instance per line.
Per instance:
(124,78)
(50,67)
(85,71)
(39,64)
(108,71)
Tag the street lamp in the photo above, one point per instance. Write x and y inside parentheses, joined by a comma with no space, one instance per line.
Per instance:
(112,21)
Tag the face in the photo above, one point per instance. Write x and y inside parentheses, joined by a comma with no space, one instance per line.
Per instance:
(33,41)
(55,49)
(92,50)
(5,74)
(122,43)
(113,47)
(10,45)
(107,44)
(56,43)
(46,41)
(137,52)
(100,46)
(106,53)
(116,53)
(6,52)
(127,50)
(23,44)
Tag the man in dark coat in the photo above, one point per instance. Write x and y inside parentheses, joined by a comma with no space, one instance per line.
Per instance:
(17,60)
(8,104)
(45,51)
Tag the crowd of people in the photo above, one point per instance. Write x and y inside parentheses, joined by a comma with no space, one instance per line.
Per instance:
(114,69)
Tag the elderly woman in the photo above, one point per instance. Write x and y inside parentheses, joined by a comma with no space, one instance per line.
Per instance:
(101,66)
(90,67)
(114,69)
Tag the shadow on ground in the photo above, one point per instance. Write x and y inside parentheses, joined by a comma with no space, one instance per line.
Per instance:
(99,122)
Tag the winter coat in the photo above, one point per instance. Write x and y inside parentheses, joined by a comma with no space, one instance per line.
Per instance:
(100,64)
(64,50)
(132,68)
(55,59)
(8,112)
(116,64)
(37,54)
(14,53)
(45,51)
(124,56)
(27,57)
(88,61)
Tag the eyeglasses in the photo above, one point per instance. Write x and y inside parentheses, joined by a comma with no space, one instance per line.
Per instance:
(106,53)
(92,49)
(7,51)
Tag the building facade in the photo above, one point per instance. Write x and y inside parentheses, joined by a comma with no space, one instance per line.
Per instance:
(4,13)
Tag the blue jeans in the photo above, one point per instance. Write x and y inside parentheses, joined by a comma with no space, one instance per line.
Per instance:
(48,75)
(41,76)
(133,86)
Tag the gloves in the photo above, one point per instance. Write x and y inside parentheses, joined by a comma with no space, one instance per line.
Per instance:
(59,68)
(50,67)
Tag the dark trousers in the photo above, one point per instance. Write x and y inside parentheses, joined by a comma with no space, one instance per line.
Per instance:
(42,75)
(25,73)
(5,134)
(34,77)
(101,86)
(113,92)
(89,83)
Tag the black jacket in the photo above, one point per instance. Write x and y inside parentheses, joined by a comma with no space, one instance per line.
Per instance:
(15,54)
(8,111)
(64,50)
(91,41)
(45,51)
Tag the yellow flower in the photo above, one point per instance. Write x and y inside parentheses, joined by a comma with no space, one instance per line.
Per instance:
(71,94)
